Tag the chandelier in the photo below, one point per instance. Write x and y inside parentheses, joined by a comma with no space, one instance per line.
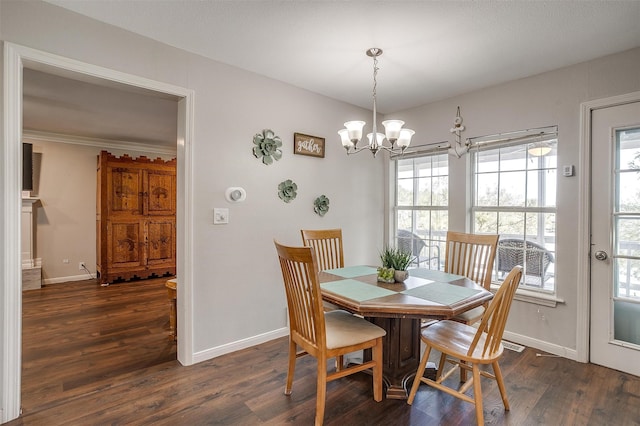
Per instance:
(397,138)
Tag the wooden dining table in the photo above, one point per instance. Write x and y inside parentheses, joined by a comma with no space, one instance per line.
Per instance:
(399,308)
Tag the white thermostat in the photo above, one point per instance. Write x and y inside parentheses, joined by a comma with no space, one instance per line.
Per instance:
(235,194)
(567,170)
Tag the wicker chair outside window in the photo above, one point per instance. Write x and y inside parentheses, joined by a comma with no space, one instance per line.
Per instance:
(424,254)
(535,258)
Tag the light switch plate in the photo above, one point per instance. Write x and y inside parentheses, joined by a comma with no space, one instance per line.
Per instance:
(220,216)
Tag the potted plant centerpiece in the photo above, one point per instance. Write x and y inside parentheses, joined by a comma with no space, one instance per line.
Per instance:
(395,262)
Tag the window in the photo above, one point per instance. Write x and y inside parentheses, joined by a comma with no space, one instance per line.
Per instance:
(514,195)
(626,216)
(421,206)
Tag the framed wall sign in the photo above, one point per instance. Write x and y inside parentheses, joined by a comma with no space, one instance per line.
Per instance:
(308,145)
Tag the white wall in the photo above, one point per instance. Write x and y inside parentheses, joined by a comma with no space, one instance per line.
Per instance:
(237,284)
(542,100)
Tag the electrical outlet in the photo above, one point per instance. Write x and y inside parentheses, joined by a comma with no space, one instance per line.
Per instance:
(541,315)
(65,261)
(82,266)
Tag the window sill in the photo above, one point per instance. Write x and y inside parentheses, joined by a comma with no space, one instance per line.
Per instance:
(535,297)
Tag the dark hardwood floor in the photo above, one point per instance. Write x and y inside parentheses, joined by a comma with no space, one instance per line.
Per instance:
(102,355)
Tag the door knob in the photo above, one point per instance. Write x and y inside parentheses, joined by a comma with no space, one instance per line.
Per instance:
(601,255)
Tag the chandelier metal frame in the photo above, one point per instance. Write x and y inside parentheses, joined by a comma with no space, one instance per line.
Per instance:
(397,137)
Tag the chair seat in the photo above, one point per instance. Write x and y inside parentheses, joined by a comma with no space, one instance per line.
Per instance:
(345,329)
(471,316)
(455,339)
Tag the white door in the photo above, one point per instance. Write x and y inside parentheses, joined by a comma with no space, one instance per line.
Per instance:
(615,238)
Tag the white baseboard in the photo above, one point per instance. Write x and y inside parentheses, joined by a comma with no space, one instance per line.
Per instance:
(211,353)
(82,277)
(239,344)
(552,348)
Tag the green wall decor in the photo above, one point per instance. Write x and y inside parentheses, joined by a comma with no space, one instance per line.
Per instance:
(321,205)
(267,146)
(287,190)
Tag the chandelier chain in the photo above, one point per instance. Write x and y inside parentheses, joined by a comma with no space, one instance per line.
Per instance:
(375,75)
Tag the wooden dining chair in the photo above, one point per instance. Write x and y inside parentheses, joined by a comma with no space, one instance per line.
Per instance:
(327,243)
(468,348)
(471,255)
(323,335)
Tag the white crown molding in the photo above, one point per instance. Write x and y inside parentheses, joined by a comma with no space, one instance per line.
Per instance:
(35,135)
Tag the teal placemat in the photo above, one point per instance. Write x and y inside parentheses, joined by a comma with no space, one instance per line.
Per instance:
(433,275)
(352,271)
(443,293)
(356,290)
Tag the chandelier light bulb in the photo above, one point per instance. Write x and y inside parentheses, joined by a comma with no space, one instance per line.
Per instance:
(405,138)
(379,138)
(392,129)
(344,137)
(354,129)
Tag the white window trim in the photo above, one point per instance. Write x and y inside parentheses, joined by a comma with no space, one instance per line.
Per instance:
(537,297)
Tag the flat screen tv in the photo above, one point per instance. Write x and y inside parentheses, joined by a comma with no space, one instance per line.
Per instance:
(27,167)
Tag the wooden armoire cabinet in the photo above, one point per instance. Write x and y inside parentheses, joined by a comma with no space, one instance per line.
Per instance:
(135,217)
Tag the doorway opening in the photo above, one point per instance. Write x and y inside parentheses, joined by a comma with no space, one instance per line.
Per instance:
(16,58)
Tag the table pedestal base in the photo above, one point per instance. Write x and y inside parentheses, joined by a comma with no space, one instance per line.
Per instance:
(401,354)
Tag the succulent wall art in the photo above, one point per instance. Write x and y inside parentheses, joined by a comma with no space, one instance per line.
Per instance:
(321,205)
(267,146)
(287,190)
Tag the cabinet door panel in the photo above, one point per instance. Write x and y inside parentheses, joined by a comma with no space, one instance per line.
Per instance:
(161,193)
(124,187)
(161,242)
(124,247)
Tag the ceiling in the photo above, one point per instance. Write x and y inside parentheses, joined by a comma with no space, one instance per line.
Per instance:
(432,49)
(67,104)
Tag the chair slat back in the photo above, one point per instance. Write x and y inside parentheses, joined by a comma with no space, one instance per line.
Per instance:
(471,255)
(494,318)
(304,299)
(327,244)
